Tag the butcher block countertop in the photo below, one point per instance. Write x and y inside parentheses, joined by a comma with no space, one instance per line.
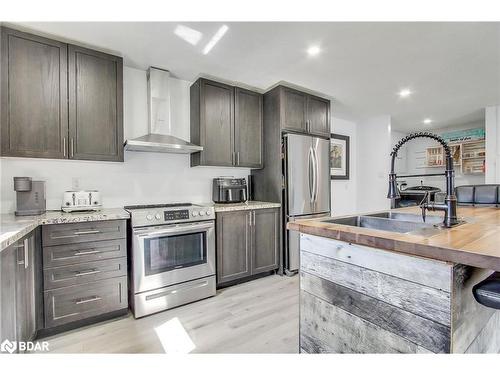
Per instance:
(475,243)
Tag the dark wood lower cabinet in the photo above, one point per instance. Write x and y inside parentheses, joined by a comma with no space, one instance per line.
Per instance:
(74,281)
(247,244)
(66,305)
(233,245)
(21,304)
(266,240)
(84,271)
(8,270)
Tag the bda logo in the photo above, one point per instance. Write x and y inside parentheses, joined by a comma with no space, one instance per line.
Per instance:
(8,346)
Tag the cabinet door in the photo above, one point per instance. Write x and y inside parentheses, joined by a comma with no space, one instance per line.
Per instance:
(233,245)
(95,105)
(8,270)
(266,238)
(248,128)
(318,116)
(293,109)
(216,123)
(26,300)
(34,118)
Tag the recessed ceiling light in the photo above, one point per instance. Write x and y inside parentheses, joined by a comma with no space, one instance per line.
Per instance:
(427,121)
(313,50)
(404,93)
(215,39)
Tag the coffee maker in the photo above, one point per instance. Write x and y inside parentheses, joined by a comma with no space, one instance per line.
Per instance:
(30,196)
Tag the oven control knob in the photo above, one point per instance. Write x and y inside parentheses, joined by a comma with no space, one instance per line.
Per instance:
(208,212)
(149,217)
(158,217)
(195,213)
(202,213)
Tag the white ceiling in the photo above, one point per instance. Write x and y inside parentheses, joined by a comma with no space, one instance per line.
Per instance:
(452,68)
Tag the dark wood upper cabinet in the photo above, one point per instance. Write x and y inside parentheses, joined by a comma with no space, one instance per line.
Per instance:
(59,101)
(301,112)
(294,105)
(227,122)
(95,105)
(318,116)
(248,128)
(34,118)
(212,124)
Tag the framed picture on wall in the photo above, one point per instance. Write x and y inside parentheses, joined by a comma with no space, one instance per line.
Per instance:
(339,157)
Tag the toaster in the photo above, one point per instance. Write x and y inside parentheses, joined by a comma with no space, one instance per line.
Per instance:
(229,190)
(83,200)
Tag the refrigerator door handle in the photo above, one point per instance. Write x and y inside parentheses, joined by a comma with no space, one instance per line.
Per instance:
(316,175)
(311,175)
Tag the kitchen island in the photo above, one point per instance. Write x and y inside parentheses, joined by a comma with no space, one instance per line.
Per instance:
(376,291)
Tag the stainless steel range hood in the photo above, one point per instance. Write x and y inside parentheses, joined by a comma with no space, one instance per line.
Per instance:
(160,138)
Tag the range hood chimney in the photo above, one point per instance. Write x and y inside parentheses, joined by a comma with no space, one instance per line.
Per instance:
(159,138)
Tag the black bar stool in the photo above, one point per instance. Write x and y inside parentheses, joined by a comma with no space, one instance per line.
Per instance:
(487,292)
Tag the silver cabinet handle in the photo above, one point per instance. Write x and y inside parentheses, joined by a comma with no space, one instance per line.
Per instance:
(72,147)
(64,146)
(238,158)
(85,273)
(18,247)
(79,253)
(87,232)
(87,300)
(79,233)
(26,253)
(252,218)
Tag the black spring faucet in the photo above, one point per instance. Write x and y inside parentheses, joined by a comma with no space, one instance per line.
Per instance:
(450,203)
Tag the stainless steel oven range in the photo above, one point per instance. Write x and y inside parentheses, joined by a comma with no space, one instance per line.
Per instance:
(172,256)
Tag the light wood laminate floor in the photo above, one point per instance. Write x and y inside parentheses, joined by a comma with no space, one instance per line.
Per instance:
(260,316)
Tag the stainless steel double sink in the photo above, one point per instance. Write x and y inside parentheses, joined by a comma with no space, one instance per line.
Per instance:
(390,221)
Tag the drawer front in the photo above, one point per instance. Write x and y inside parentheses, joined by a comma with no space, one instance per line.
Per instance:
(74,303)
(62,255)
(60,234)
(77,274)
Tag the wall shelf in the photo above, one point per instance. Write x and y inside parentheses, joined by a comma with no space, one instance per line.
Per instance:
(470,156)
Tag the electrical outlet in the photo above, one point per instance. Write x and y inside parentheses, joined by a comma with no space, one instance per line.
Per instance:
(75,183)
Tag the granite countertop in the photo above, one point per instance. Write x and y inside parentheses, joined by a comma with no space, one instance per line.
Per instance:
(475,243)
(12,227)
(249,205)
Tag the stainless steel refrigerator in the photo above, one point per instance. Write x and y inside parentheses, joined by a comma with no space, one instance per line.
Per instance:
(307,193)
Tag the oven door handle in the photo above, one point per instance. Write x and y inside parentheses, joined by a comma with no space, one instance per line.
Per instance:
(177,229)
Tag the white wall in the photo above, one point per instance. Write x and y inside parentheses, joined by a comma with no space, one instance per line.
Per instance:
(416,153)
(344,192)
(492,125)
(401,163)
(141,178)
(374,147)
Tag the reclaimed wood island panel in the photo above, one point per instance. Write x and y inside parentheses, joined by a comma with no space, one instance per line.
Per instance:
(361,294)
